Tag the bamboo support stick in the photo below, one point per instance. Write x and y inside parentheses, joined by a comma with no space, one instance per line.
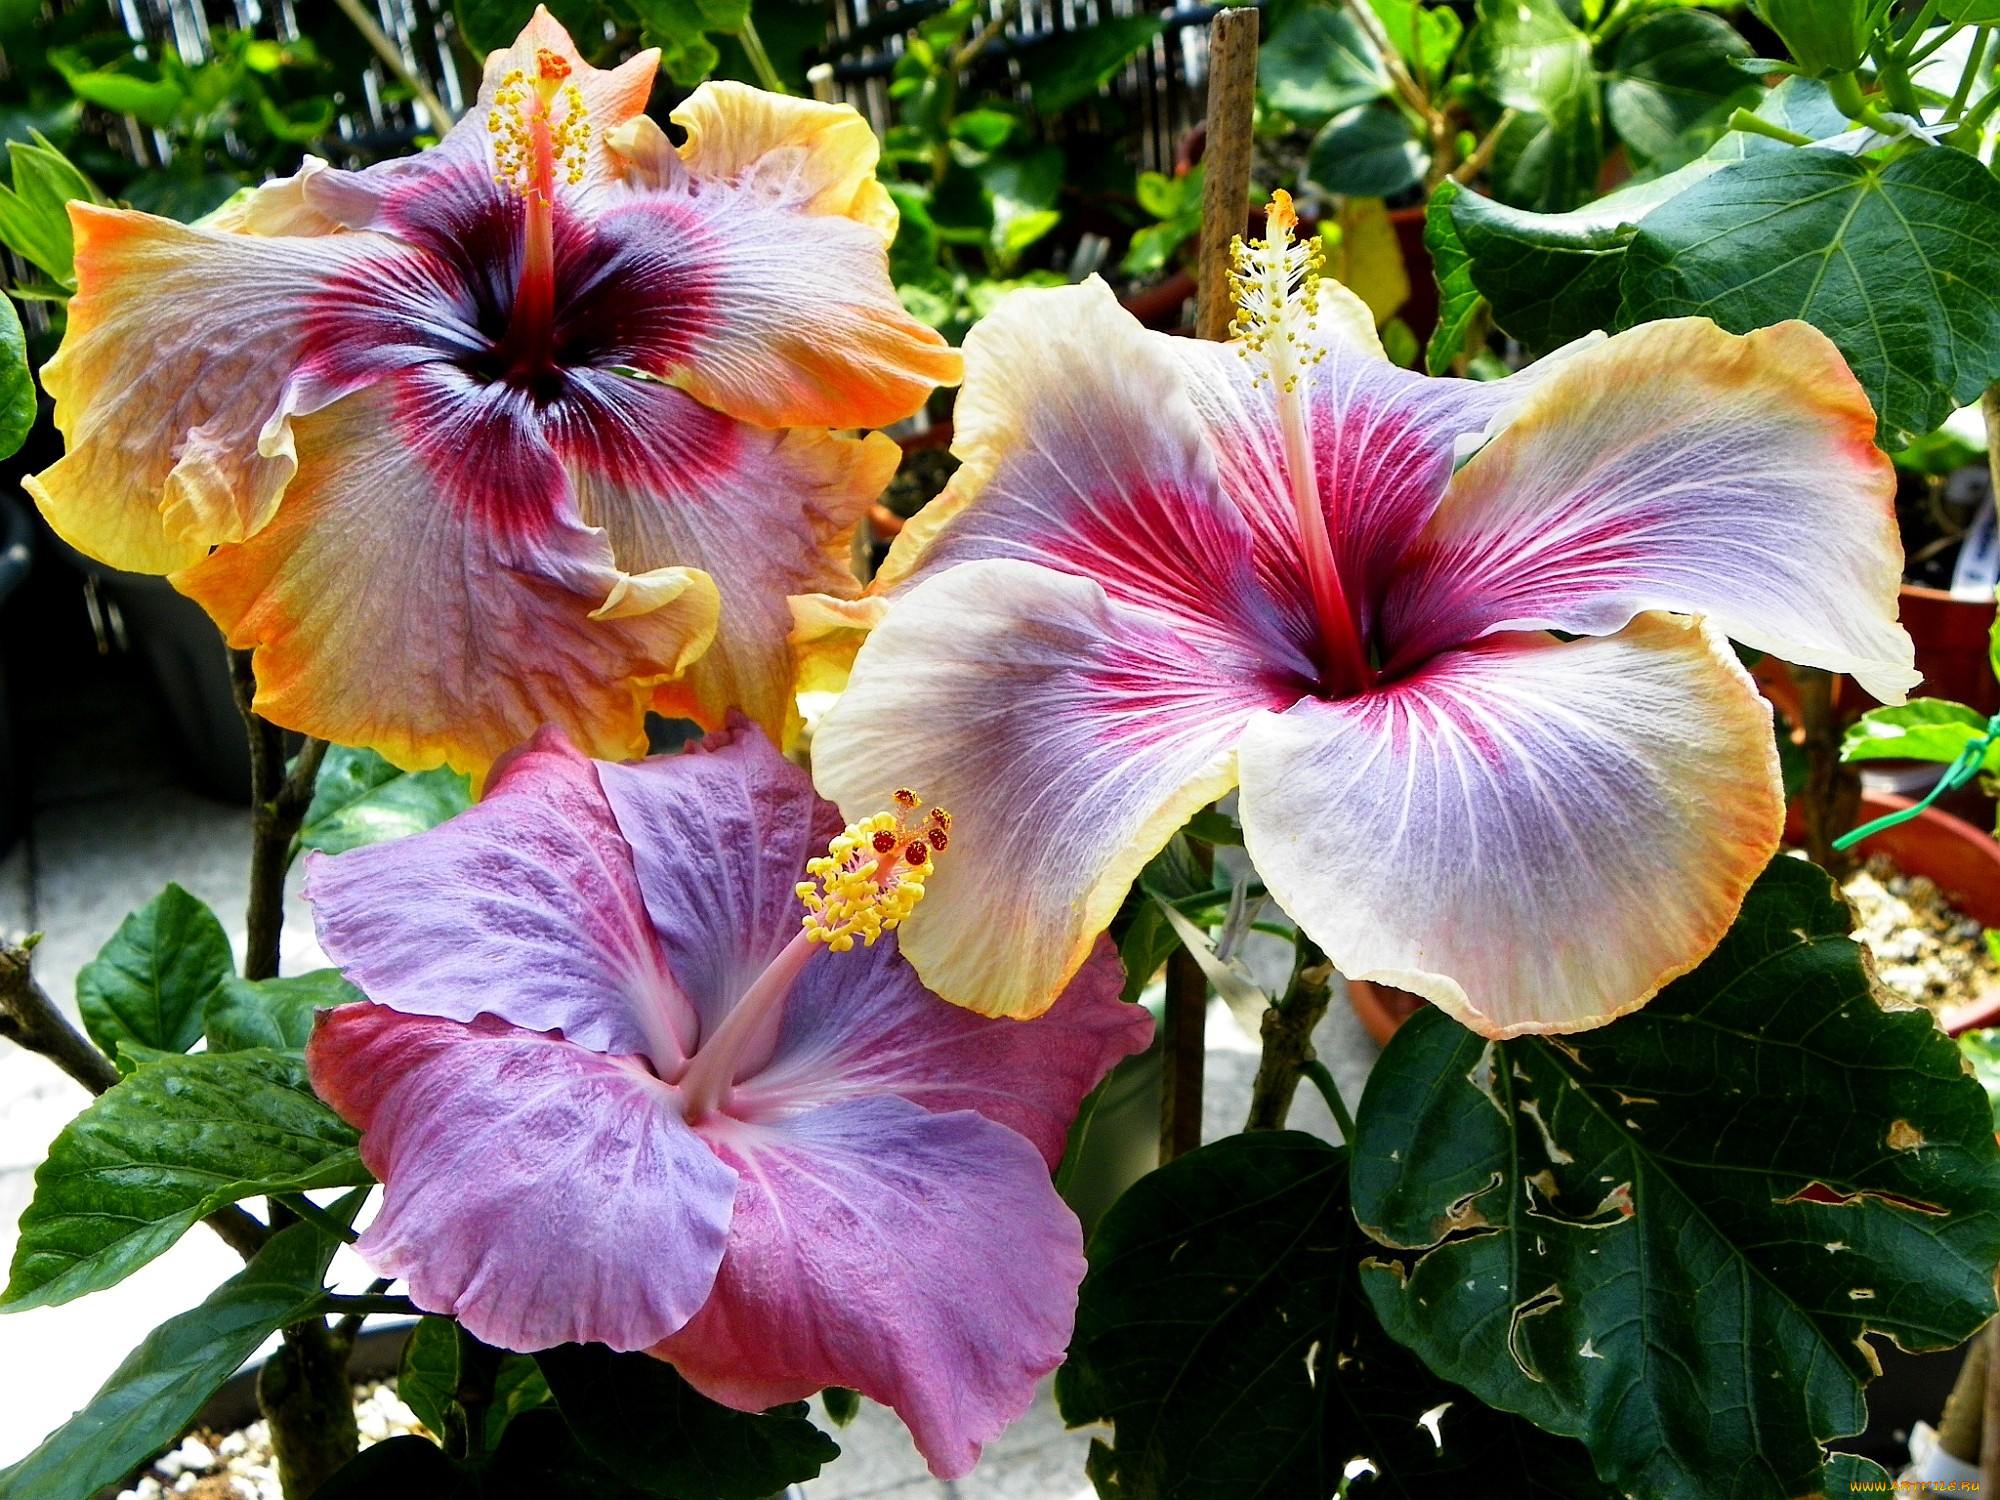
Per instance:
(1225,187)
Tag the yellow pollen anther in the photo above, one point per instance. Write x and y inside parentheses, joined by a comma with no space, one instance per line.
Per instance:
(872,874)
(550,106)
(1274,283)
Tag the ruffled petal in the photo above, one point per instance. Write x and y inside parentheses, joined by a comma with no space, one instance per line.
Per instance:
(765,514)
(437,610)
(170,381)
(1384,441)
(1535,835)
(817,158)
(720,836)
(1676,467)
(1069,735)
(525,906)
(861,1023)
(785,319)
(537,1191)
(923,1260)
(1079,451)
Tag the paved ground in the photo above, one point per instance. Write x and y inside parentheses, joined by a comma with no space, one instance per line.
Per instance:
(111,822)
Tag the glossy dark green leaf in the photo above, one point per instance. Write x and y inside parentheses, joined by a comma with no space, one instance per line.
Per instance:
(1972,12)
(401,1468)
(538,1459)
(1459,300)
(1933,729)
(150,1398)
(1318,64)
(1369,152)
(1066,70)
(1223,1332)
(274,1013)
(1550,163)
(361,799)
(636,1415)
(1529,55)
(173,1142)
(1673,81)
(1893,262)
(1667,1236)
(427,1377)
(150,984)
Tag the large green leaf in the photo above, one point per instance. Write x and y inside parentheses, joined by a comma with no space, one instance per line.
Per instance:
(1668,1236)
(1318,64)
(1367,152)
(1223,1331)
(538,1459)
(149,984)
(636,1415)
(1426,35)
(154,1154)
(1893,262)
(1068,69)
(150,1398)
(1528,56)
(361,799)
(488,25)
(1673,81)
(34,212)
(1922,729)
(428,1379)
(275,1013)
(17,382)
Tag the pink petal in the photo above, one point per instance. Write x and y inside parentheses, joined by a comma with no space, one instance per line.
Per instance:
(923,1260)
(1534,835)
(862,1023)
(428,590)
(525,907)
(719,837)
(539,1192)
(1683,468)
(764,513)
(1081,452)
(1384,441)
(1070,735)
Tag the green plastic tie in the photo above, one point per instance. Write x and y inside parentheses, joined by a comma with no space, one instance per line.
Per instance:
(1961,771)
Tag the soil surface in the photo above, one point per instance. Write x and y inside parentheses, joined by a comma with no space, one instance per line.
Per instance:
(1925,949)
(241,1466)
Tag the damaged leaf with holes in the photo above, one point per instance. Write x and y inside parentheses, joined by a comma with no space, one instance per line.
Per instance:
(1223,1331)
(1638,1236)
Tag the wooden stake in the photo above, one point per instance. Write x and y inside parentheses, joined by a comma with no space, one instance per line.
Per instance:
(1225,186)
(1989,1435)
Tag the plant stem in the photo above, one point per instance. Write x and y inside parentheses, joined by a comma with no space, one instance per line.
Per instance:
(1845,91)
(30,1019)
(312,1213)
(278,803)
(1970,76)
(1482,153)
(1832,792)
(1288,1029)
(392,59)
(1964,1416)
(360,1304)
(349,1326)
(478,1369)
(760,60)
(305,1396)
(1989,1436)
(1322,1079)
(1183,1044)
(1750,124)
(1225,181)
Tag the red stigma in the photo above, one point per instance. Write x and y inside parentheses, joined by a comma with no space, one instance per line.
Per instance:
(918,852)
(551,65)
(884,842)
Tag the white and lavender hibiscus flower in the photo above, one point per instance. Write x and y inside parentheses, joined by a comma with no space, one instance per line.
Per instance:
(528,429)
(1492,742)
(621,1087)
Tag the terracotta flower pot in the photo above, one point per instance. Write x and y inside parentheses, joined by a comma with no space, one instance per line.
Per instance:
(1953,638)
(1963,861)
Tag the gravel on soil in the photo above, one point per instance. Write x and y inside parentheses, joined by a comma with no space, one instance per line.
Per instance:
(1925,949)
(241,1466)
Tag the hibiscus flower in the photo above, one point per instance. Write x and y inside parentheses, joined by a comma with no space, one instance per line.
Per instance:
(529,428)
(620,1086)
(1492,742)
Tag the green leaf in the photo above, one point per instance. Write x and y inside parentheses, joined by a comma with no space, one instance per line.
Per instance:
(1070,68)
(1223,1331)
(427,1378)
(149,984)
(1318,64)
(1922,729)
(538,1459)
(151,101)
(404,1468)
(155,1153)
(361,799)
(1426,35)
(842,1405)
(1459,300)
(1024,190)
(636,1415)
(1667,1236)
(17,382)
(1674,74)
(1982,1048)
(34,212)
(274,1013)
(1891,261)
(488,25)
(151,1397)
(1529,56)
(1369,152)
